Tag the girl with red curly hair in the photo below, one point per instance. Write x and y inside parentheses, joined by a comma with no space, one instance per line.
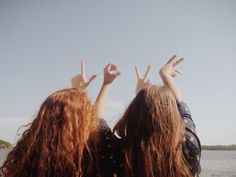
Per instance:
(62,139)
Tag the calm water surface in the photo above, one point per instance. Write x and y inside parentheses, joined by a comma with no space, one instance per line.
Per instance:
(218,164)
(214,163)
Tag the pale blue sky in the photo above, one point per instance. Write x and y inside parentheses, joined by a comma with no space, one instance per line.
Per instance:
(42,42)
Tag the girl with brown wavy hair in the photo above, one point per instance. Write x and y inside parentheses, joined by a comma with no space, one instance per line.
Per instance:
(62,139)
(156,134)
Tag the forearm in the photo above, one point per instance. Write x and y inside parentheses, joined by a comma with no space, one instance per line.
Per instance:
(111,71)
(169,82)
(102,100)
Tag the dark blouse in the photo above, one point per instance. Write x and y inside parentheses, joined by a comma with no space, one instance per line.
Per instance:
(111,146)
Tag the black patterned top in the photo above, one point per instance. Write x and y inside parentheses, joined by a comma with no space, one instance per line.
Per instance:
(111,147)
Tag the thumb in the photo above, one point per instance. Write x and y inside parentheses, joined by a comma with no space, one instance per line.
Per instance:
(92,78)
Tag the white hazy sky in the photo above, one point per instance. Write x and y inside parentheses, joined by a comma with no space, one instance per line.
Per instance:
(42,42)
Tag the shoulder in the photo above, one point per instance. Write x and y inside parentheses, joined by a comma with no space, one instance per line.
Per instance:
(184,109)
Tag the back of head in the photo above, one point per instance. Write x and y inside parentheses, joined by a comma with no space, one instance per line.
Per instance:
(153,132)
(55,143)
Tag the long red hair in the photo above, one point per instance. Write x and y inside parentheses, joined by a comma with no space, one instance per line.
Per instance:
(56,143)
(153,133)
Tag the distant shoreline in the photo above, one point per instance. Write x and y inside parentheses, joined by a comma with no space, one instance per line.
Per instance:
(219,147)
(7,145)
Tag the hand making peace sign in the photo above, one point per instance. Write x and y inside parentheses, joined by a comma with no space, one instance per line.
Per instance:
(142,81)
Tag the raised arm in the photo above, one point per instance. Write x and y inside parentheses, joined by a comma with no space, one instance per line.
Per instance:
(191,144)
(111,71)
(167,72)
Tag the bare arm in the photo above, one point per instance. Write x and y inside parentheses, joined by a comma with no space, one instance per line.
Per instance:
(167,72)
(111,71)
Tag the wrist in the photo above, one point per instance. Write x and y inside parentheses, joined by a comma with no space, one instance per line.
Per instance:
(165,76)
(163,73)
(106,84)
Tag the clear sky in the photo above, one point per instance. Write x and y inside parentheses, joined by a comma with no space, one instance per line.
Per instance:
(42,42)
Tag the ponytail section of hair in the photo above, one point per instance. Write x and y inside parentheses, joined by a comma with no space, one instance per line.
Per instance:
(153,132)
(55,143)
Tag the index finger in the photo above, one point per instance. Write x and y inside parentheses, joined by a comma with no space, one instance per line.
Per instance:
(171,59)
(82,67)
(147,72)
(178,61)
(137,72)
(113,66)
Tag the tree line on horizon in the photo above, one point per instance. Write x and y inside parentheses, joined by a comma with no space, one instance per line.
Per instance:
(5,144)
(219,147)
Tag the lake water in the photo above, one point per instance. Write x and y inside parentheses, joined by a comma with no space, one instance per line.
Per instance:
(214,163)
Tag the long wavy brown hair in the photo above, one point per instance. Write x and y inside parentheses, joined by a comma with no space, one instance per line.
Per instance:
(57,142)
(153,133)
